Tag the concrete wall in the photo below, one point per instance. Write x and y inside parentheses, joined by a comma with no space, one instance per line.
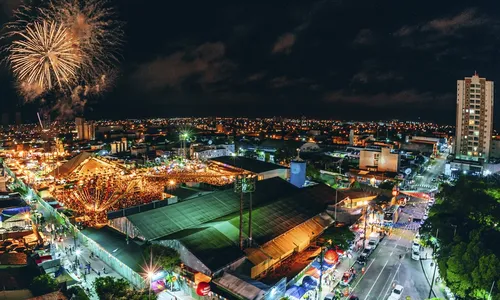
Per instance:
(283,173)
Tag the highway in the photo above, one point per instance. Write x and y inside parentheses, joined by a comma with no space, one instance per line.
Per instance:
(385,268)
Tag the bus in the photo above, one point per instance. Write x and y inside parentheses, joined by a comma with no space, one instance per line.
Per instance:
(391,215)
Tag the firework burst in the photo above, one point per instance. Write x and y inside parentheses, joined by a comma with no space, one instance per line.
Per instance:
(94,31)
(44,57)
(64,46)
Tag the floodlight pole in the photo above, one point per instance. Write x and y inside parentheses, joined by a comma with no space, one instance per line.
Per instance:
(241,219)
(250,221)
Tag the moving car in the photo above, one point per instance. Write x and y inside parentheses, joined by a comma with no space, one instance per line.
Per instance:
(396,293)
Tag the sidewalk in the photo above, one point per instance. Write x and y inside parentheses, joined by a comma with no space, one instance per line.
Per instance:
(343,266)
(169,295)
(438,288)
(97,267)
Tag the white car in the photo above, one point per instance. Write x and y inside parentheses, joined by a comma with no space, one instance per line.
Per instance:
(415,246)
(415,255)
(396,293)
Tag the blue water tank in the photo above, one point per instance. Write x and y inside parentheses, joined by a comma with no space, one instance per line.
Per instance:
(298,173)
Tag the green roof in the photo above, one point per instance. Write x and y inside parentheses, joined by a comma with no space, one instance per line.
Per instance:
(216,243)
(115,243)
(210,246)
(160,222)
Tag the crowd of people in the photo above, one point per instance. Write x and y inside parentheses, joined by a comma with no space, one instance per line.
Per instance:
(95,193)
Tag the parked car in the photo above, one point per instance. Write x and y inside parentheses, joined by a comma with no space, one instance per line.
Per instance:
(415,246)
(415,254)
(362,260)
(347,278)
(396,293)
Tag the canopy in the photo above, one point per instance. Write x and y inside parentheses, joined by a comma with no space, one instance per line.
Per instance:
(296,292)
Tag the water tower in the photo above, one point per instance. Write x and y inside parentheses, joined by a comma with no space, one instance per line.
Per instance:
(298,171)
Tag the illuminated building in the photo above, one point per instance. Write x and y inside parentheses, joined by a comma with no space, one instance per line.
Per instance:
(474,118)
(379,160)
(85,129)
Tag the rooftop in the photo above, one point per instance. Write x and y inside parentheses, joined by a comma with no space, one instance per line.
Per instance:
(248,164)
(170,219)
(13,259)
(115,243)
(215,242)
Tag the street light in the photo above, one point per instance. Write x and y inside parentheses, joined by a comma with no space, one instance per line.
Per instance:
(150,273)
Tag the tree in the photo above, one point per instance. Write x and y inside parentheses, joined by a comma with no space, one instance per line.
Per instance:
(386,185)
(43,284)
(108,287)
(77,293)
(340,236)
(467,216)
(312,172)
(165,257)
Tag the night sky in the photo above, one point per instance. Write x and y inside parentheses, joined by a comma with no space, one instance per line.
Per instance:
(335,59)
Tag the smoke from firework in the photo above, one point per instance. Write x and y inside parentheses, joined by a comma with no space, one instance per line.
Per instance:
(67,48)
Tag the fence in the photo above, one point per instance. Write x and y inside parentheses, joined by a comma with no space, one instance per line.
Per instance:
(104,255)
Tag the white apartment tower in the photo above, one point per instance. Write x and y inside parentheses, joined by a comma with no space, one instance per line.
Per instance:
(474,118)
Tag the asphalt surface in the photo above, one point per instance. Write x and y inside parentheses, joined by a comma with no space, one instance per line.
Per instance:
(424,182)
(384,268)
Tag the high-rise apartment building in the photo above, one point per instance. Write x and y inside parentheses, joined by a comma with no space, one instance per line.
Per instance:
(85,130)
(79,127)
(474,118)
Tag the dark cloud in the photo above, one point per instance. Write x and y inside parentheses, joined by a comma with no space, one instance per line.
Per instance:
(364,37)
(256,77)
(467,18)
(206,61)
(283,81)
(445,25)
(284,43)
(370,76)
(283,57)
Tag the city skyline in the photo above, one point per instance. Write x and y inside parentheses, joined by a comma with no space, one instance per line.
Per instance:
(321,59)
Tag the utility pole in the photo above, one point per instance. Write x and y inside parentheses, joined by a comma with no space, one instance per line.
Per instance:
(241,219)
(320,288)
(364,235)
(435,265)
(491,289)
(336,202)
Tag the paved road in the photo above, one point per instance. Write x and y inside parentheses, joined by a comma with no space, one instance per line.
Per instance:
(424,182)
(385,268)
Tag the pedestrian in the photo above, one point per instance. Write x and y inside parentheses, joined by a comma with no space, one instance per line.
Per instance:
(104,270)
